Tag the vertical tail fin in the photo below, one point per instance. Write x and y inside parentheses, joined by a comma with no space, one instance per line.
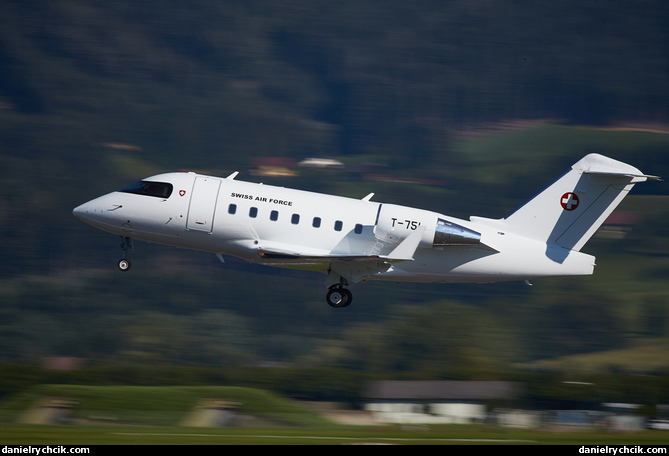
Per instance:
(571,209)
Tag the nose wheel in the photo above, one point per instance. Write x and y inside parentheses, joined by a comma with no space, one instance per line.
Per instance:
(123,265)
(339,296)
(126,245)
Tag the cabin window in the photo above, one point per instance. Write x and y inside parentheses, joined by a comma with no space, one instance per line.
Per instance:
(295,219)
(358,229)
(147,188)
(232,209)
(316,223)
(339,225)
(253,212)
(274,216)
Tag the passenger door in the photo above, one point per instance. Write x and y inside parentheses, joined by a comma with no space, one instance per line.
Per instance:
(202,209)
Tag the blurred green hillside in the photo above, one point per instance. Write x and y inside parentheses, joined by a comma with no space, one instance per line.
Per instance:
(164,405)
(463,107)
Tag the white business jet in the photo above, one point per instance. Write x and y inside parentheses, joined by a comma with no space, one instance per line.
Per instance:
(355,240)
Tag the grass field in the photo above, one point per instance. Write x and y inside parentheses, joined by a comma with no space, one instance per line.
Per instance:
(437,435)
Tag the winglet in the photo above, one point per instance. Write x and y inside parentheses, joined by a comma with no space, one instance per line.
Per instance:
(406,249)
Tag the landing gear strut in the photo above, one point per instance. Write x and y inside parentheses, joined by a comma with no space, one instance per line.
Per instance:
(339,296)
(126,244)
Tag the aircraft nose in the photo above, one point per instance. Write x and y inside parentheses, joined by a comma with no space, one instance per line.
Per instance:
(81,212)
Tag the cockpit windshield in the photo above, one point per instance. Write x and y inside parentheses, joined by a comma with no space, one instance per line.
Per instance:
(148,188)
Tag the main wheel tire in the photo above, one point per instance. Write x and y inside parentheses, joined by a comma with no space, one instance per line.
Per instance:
(348,297)
(124,265)
(339,297)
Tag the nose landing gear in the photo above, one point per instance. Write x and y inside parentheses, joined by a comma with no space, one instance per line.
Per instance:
(124,264)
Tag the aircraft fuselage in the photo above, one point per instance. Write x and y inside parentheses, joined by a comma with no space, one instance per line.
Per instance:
(241,219)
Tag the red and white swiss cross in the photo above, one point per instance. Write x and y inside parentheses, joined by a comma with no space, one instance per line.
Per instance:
(569,201)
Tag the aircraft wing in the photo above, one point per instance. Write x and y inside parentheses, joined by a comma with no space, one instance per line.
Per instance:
(403,252)
(291,253)
(274,254)
(353,266)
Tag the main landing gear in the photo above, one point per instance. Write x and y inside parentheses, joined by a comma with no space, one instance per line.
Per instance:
(124,264)
(338,296)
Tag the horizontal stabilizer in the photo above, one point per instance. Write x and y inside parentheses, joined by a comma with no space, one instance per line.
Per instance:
(614,173)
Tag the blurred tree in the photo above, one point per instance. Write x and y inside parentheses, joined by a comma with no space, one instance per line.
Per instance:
(440,337)
(573,321)
(94,95)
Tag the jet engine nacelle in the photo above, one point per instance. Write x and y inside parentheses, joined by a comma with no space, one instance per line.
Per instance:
(449,233)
